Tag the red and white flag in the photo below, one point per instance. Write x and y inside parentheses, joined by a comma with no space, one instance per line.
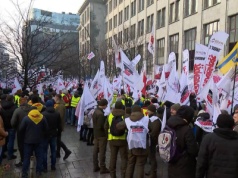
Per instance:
(151,44)
(90,56)
(16,86)
(60,85)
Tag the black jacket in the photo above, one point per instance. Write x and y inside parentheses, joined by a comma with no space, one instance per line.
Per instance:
(53,121)
(7,110)
(185,165)
(218,155)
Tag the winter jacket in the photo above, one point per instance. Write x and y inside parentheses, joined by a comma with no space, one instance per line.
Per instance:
(155,130)
(185,164)
(98,123)
(218,155)
(54,122)
(7,110)
(3,133)
(33,130)
(60,107)
(136,116)
(19,114)
(116,112)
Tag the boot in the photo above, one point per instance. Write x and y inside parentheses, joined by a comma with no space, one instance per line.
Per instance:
(67,153)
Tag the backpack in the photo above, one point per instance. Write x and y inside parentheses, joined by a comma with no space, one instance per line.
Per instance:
(167,144)
(113,129)
(86,120)
(128,102)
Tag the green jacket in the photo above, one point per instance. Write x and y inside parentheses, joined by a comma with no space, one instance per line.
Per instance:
(98,123)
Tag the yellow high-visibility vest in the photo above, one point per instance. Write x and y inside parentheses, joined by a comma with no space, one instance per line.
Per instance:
(74,101)
(17,100)
(110,136)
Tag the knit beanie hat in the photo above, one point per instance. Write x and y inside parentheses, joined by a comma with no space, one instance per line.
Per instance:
(49,103)
(186,112)
(175,107)
(118,105)
(152,108)
(103,102)
(225,121)
(136,108)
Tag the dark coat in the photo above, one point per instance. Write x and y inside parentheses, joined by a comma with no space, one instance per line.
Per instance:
(154,132)
(98,123)
(185,165)
(218,155)
(33,133)
(54,122)
(7,110)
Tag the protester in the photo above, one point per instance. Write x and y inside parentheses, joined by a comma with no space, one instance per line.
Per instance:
(66,97)
(33,127)
(117,143)
(35,101)
(16,120)
(155,130)
(90,136)
(100,137)
(174,108)
(184,163)
(3,135)
(235,118)
(54,124)
(218,153)
(74,102)
(138,127)
(8,107)
(60,107)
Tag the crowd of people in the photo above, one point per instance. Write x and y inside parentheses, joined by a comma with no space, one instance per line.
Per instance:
(131,129)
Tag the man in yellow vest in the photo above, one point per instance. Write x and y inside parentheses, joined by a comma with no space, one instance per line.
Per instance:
(74,102)
(117,140)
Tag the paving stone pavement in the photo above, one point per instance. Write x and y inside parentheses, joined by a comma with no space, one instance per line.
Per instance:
(78,165)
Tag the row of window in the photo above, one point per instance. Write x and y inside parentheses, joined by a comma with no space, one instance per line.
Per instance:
(174,13)
(190,36)
(84,18)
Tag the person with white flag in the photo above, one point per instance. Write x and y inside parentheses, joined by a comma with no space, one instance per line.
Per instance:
(16,91)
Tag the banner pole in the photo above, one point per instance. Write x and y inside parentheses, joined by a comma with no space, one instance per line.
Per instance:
(233,90)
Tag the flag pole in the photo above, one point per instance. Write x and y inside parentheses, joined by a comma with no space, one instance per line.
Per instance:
(233,90)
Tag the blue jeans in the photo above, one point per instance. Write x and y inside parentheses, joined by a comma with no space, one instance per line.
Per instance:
(28,152)
(67,115)
(72,119)
(52,143)
(10,144)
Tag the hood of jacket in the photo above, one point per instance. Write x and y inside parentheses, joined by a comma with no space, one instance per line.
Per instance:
(226,133)
(118,112)
(176,122)
(38,106)
(136,116)
(7,105)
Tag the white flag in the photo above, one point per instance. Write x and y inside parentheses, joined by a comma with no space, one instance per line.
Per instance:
(164,120)
(60,85)
(151,44)
(16,86)
(90,56)
(96,85)
(216,113)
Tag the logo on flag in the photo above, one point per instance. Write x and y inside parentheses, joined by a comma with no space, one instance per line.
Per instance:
(127,70)
(90,56)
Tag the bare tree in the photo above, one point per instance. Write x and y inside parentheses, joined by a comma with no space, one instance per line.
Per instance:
(35,42)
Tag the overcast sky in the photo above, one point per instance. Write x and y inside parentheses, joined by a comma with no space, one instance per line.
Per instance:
(50,5)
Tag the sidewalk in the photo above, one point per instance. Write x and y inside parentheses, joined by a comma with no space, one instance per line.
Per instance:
(78,165)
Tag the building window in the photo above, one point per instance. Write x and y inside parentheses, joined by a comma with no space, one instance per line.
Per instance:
(190,39)
(149,2)
(233,31)
(115,21)
(126,13)
(110,24)
(190,7)
(114,4)
(149,24)
(106,25)
(174,45)
(174,11)
(126,34)
(133,32)
(120,18)
(120,37)
(209,3)
(140,50)
(140,28)
(161,18)
(110,42)
(160,59)
(209,29)
(141,5)
(110,6)
(107,9)
(115,37)
(120,1)
(133,8)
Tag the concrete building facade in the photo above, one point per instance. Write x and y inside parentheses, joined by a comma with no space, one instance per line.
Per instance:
(92,34)
(179,24)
